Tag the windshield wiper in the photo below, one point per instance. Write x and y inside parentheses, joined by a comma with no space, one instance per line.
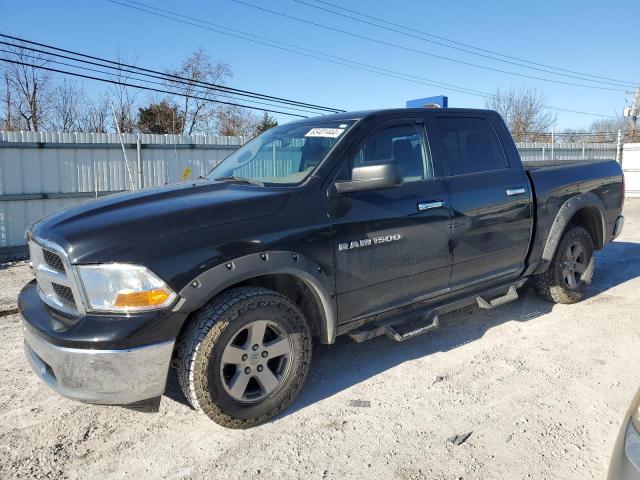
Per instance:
(240,180)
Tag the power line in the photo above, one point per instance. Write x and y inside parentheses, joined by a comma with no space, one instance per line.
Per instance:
(261,40)
(209,99)
(294,49)
(381,20)
(141,87)
(210,85)
(120,65)
(169,77)
(132,77)
(421,52)
(578,112)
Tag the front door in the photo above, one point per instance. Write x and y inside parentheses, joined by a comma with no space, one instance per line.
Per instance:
(391,246)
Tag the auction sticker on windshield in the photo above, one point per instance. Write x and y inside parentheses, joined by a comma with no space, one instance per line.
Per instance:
(325,132)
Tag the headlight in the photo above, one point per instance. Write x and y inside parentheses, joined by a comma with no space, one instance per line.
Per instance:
(635,415)
(119,287)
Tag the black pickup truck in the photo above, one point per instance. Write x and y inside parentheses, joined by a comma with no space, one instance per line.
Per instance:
(363,223)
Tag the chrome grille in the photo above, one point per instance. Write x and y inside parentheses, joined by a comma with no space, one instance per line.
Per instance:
(53,260)
(64,293)
(57,285)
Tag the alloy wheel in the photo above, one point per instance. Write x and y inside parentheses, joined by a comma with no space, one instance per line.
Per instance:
(574,264)
(256,361)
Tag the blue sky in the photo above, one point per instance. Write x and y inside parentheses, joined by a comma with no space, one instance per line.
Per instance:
(585,36)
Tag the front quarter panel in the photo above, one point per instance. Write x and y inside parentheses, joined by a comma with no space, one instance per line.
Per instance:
(208,284)
(296,240)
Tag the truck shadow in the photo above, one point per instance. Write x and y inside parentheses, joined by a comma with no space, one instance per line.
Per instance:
(616,264)
(337,367)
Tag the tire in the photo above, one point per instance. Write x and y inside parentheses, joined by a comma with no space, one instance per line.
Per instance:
(555,284)
(224,375)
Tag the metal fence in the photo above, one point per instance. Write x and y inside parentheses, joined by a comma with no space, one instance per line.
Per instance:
(42,172)
(531,152)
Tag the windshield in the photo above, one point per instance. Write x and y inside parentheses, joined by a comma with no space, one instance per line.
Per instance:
(284,155)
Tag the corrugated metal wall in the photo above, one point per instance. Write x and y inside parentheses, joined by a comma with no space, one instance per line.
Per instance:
(41,172)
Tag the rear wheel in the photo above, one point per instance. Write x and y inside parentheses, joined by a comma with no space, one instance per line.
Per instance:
(571,270)
(244,357)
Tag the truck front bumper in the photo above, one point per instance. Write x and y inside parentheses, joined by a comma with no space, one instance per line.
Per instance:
(91,373)
(118,377)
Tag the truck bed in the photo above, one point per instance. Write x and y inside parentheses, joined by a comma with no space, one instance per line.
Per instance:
(554,182)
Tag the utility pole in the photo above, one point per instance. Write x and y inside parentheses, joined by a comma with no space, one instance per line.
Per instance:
(618,148)
(633,112)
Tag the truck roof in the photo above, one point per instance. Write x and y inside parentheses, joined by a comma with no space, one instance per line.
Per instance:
(360,114)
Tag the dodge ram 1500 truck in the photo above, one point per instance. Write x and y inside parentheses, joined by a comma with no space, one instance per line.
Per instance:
(364,223)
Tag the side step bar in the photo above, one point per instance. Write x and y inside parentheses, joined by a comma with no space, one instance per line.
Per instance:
(399,330)
(510,296)
(408,325)
(403,332)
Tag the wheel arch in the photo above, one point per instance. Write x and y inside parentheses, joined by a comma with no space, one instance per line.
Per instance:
(289,273)
(585,210)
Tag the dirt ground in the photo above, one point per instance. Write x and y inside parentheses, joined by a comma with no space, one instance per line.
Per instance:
(541,387)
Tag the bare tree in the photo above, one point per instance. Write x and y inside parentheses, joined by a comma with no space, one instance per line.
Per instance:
(198,113)
(27,96)
(8,122)
(96,115)
(236,121)
(607,130)
(525,113)
(65,106)
(569,135)
(122,97)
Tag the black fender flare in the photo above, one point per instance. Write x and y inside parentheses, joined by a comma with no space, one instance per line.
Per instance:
(213,281)
(564,216)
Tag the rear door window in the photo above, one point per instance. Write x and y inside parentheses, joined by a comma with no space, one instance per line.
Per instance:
(471,145)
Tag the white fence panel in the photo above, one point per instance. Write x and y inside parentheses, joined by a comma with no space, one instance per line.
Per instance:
(631,167)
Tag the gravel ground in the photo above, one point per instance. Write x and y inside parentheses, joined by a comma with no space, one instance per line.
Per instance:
(541,387)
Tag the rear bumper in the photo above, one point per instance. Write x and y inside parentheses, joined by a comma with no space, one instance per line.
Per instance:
(617,228)
(117,377)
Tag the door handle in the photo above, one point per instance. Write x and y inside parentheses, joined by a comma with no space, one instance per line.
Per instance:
(422,206)
(515,191)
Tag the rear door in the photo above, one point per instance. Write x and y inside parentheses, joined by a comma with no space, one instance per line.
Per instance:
(490,199)
(391,245)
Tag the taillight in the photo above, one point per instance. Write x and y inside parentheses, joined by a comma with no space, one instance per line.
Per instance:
(622,194)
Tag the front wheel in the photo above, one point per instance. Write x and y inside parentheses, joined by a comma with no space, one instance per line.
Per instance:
(244,357)
(571,270)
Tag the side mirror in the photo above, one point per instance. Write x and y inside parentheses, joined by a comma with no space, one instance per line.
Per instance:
(374,176)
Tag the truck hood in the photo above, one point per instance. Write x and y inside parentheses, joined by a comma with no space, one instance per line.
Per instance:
(94,231)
